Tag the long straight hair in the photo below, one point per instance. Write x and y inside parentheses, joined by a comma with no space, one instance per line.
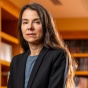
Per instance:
(51,37)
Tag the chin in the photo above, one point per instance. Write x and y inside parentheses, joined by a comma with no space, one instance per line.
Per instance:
(32,41)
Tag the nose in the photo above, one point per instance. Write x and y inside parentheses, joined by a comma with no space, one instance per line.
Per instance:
(30,26)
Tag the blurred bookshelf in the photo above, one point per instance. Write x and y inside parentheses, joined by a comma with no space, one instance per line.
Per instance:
(3,87)
(9,43)
(79,52)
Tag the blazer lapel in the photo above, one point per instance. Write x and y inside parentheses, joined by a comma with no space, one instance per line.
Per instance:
(21,73)
(36,66)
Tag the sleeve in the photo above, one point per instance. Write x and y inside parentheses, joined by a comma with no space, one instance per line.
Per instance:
(58,69)
(10,80)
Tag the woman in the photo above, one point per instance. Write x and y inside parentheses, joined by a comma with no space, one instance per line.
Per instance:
(46,62)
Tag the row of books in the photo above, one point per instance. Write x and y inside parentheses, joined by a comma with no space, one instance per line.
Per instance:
(82,64)
(81,82)
(5,51)
(77,46)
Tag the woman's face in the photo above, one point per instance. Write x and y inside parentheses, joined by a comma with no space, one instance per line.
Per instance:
(31,26)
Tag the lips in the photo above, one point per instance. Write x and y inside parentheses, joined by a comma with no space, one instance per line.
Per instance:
(31,34)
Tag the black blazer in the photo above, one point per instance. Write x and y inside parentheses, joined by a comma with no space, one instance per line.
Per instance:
(48,70)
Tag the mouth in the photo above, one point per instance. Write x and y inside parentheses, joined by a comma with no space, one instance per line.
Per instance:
(31,34)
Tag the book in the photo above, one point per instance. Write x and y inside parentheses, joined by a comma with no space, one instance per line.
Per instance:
(81,82)
(5,52)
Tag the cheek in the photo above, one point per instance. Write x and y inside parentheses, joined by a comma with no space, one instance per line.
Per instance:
(41,35)
(40,32)
(22,29)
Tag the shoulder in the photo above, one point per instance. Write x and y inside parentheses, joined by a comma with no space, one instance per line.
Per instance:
(18,58)
(58,55)
(58,51)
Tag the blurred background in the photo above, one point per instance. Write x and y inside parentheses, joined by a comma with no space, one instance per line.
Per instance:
(71,19)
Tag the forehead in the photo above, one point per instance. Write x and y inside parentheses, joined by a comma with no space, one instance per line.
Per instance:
(30,14)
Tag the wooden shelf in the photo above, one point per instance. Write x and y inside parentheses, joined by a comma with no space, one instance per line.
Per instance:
(79,55)
(69,35)
(5,63)
(81,73)
(3,87)
(9,38)
(8,6)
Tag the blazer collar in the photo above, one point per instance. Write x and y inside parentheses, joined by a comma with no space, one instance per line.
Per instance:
(37,66)
(34,70)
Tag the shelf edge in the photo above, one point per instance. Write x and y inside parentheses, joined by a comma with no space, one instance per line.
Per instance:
(2,62)
(9,38)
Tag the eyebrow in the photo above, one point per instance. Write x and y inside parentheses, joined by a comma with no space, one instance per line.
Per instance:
(33,19)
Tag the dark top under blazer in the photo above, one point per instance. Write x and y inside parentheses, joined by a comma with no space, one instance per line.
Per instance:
(48,70)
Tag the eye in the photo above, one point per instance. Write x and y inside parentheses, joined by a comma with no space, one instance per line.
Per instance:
(25,22)
(37,22)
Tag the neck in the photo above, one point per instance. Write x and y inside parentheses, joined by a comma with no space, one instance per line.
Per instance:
(35,49)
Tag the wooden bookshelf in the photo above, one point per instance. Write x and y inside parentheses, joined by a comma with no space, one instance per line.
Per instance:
(79,51)
(81,73)
(5,63)
(3,87)
(71,35)
(9,14)
(79,55)
(9,38)
(10,7)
